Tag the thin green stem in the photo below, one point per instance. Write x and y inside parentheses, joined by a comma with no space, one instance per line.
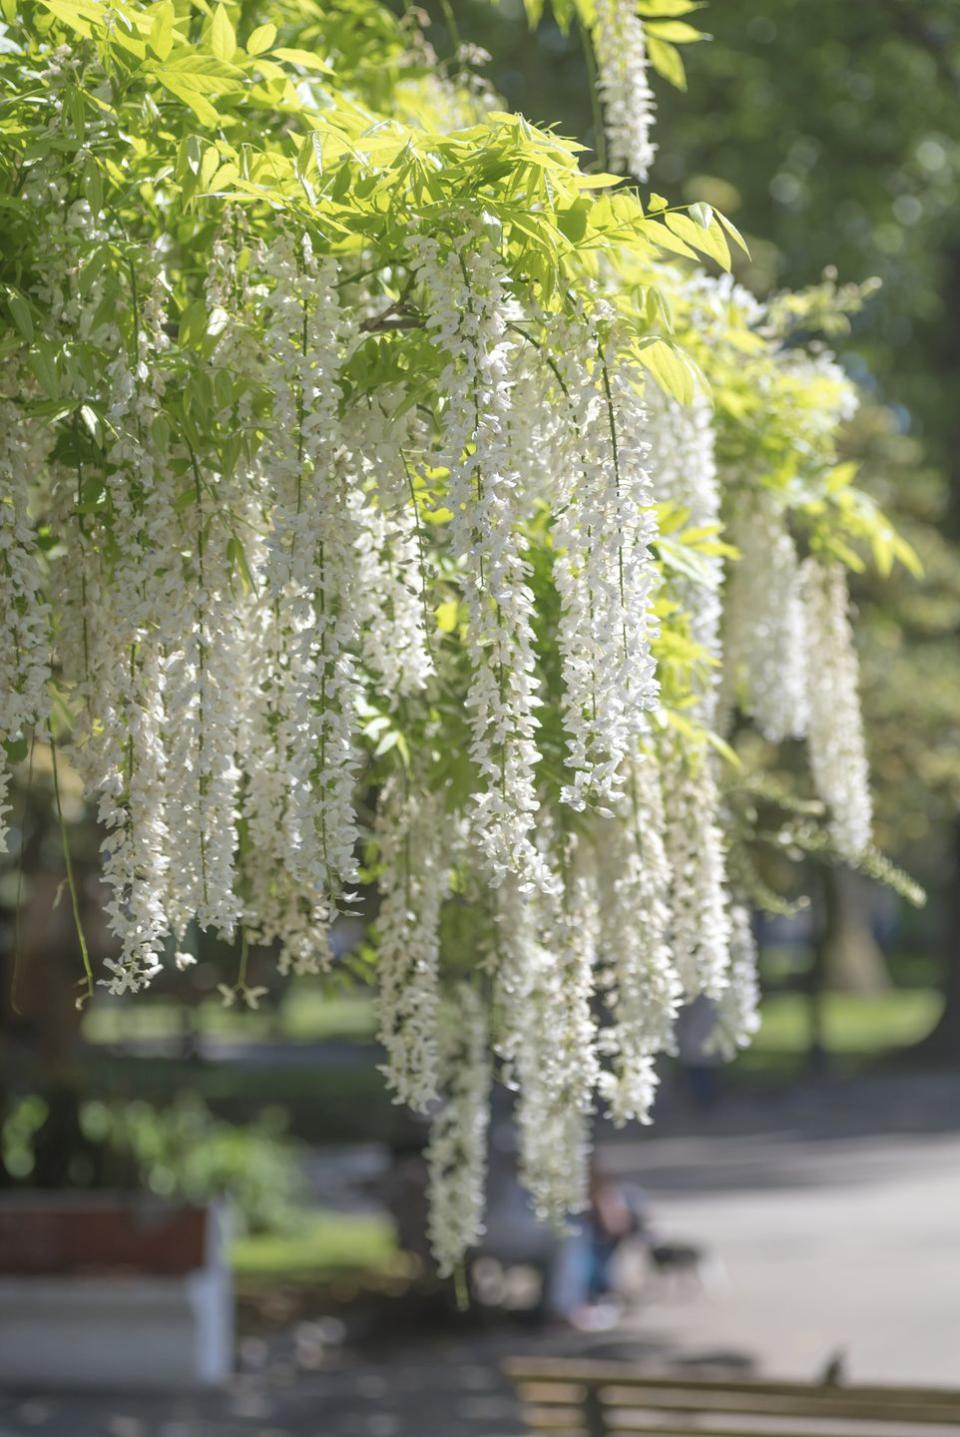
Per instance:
(461,1287)
(201,675)
(244,958)
(615,449)
(599,132)
(420,551)
(450,21)
(18,916)
(71,882)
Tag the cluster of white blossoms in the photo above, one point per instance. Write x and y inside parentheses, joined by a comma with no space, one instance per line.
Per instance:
(413,883)
(628,104)
(838,757)
(791,663)
(638,978)
(765,630)
(352,556)
(25,636)
(685,474)
(267,709)
(467,314)
(737,1013)
(457,1152)
(595,434)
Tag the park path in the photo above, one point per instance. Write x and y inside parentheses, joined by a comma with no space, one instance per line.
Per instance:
(850,1245)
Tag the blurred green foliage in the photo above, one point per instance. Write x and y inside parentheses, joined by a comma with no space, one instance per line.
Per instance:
(177,1151)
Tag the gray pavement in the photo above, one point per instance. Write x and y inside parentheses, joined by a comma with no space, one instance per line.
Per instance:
(854,1248)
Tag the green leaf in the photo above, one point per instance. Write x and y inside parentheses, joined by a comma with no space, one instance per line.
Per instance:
(223,38)
(22,317)
(43,366)
(448,616)
(237,559)
(160,38)
(91,422)
(261,39)
(79,16)
(225,177)
(708,241)
(671,372)
(209,166)
(16,749)
(675,32)
(193,325)
(667,61)
(734,233)
(436,516)
(653,9)
(191,97)
(306,58)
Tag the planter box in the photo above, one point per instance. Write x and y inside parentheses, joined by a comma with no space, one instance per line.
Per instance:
(112,1292)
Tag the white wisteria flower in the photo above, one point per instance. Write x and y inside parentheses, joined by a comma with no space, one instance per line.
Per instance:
(765,633)
(628,104)
(457,1151)
(838,758)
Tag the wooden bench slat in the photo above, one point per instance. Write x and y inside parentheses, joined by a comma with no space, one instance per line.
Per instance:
(548,1370)
(605,1399)
(551,1392)
(618,1423)
(815,1402)
(555,1421)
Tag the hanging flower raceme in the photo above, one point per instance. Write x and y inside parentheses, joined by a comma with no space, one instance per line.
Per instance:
(765,631)
(141,604)
(737,1016)
(684,471)
(546,984)
(838,757)
(639,982)
(604,568)
(695,849)
(628,104)
(413,837)
(25,637)
(392,588)
(300,799)
(467,309)
(457,1151)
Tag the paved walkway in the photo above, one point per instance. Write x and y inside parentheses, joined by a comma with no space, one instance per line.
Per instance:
(821,1247)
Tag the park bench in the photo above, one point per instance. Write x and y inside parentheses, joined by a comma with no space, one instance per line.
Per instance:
(571,1398)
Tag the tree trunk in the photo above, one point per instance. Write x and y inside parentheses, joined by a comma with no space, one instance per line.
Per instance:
(853,958)
(942,1045)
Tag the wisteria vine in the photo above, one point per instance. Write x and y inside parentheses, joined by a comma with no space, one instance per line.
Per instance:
(379,535)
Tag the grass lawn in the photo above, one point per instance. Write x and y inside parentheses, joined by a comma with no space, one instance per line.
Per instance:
(329,1244)
(857,1029)
(306,1013)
